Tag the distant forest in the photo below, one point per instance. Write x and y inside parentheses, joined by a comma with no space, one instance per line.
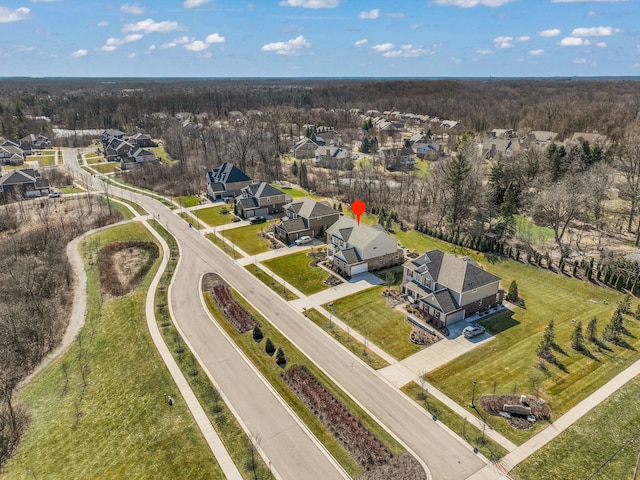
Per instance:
(610,106)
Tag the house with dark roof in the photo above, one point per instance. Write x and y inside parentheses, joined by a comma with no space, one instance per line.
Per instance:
(398,158)
(305,216)
(261,199)
(11,153)
(25,182)
(34,142)
(305,148)
(136,157)
(141,140)
(227,180)
(353,248)
(449,288)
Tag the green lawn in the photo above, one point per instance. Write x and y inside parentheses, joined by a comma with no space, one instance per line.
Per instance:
(247,239)
(162,154)
(368,313)
(93,158)
(270,282)
(119,426)
(212,216)
(188,201)
(223,246)
(296,270)
(267,366)
(189,219)
(43,160)
(441,413)
(508,362)
(140,210)
(70,189)
(422,168)
(296,192)
(602,445)
(356,347)
(106,167)
(366,218)
(534,233)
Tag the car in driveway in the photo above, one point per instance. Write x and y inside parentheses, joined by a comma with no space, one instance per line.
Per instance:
(55,194)
(473,331)
(259,219)
(303,240)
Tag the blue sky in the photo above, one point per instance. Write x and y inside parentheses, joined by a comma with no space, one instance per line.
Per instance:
(320,38)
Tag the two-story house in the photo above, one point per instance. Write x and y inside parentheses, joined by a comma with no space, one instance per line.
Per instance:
(306,216)
(227,180)
(305,148)
(261,199)
(398,158)
(333,157)
(353,248)
(25,182)
(11,153)
(449,288)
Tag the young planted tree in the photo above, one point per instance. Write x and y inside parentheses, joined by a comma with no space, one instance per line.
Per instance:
(269,347)
(512,294)
(613,331)
(548,341)
(281,360)
(577,338)
(257,334)
(592,327)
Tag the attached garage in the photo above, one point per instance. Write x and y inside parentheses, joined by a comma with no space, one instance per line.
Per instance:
(362,268)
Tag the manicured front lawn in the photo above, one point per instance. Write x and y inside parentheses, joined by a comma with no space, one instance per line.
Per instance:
(296,270)
(70,189)
(106,167)
(508,362)
(190,220)
(247,239)
(356,347)
(271,283)
(296,192)
(602,445)
(43,160)
(368,313)
(223,246)
(213,217)
(118,425)
(188,201)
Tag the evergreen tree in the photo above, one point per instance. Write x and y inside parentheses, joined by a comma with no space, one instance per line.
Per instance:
(512,294)
(294,169)
(550,334)
(269,347)
(280,358)
(592,327)
(577,339)
(257,334)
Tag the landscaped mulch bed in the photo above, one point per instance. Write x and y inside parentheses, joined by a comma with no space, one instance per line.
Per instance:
(241,320)
(494,404)
(359,441)
(124,264)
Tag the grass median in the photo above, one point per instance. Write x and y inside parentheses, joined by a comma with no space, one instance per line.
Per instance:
(265,278)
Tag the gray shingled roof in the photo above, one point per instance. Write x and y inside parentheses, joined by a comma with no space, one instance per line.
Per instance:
(349,255)
(262,190)
(308,208)
(292,225)
(227,173)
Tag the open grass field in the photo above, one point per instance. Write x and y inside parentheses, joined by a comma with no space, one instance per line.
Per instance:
(44,160)
(368,313)
(162,154)
(118,425)
(532,232)
(295,269)
(225,424)
(297,192)
(441,413)
(188,201)
(212,216)
(508,362)
(271,283)
(271,371)
(223,246)
(247,239)
(356,347)
(70,189)
(602,445)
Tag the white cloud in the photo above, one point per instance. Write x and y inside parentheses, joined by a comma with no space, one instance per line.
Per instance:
(503,42)
(151,48)
(580,60)
(395,15)
(471,3)
(594,32)
(133,9)
(196,46)
(370,15)
(131,55)
(150,26)
(113,41)
(537,51)
(484,51)
(455,60)
(7,15)
(553,32)
(524,38)
(407,51)
(588,1)
(103,24)
(79,53)
(383,47)
(310,3)
(108,48)
(591,14)
(360,43)
(601,44)
(168,45)
(214,38)
(194,3)
(571,42)
(184,39)
(132,38)
(294,46)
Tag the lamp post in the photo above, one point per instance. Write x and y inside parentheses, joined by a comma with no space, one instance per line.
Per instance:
(330,315)
(473,395)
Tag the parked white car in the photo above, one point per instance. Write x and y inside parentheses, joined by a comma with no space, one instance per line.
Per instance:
(303,240)
(473,331)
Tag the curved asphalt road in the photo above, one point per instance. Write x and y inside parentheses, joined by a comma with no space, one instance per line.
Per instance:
(446,457)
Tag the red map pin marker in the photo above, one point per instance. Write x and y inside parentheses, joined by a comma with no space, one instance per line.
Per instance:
(358,207)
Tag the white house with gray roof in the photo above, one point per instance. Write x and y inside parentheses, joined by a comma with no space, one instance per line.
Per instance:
(261,199)
(306,216)
(449,288)
(353,248)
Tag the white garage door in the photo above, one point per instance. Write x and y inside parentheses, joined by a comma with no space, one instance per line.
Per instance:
(359,268)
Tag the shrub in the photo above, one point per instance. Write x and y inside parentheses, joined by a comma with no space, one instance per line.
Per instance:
(269,347)
(512,294)
(281,360)
(257,334)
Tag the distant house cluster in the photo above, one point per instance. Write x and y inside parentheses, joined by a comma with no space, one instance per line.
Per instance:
(13,152)
(130,151)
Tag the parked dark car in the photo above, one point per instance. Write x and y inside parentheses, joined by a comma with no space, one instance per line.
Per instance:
(259,219)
